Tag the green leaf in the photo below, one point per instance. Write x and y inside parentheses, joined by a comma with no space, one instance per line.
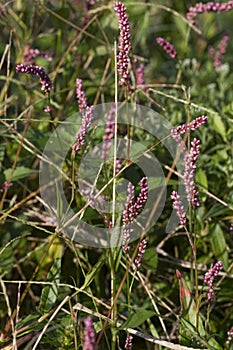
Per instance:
(216,210)
(219,244)
(139,317)
(50,292)
(20,173)
(219,126)
(91,275)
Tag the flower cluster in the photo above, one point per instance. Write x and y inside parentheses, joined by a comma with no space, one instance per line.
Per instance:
(31,54)
(167,46)
(209,278)
(123,59)
(128,343)
(141,251)
(39,72)
(229,335)
(89,340)
(132,209)
(5,185)
(193,125)
(208,7)
(86,123)
(217,56)
(109,133)
(189,172)
(81,96)
(178,206)
(140,76)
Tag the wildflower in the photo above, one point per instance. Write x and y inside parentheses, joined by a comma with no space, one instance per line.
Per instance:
(128,343)
(209,278)
(190,160)
(217,56)
(31,54)
(167,46)
(132,209)
(140,76)
(89,340)
(193,125)
(81,96)
(109,133)
(208,7)
(39,72)
(47,109)
(141,251)
(5,185)
(86,123)
(123,59)
(230,335)
(178,206)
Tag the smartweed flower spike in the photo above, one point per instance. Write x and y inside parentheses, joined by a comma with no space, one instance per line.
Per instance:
(81,96)
(31,54)
(229,335)
(89,340)
(209,278)
(140,76)
(178,206)
(217,56)
(208,7)
(132,209)
(193,125)
(109,133)
(86,123)
(190,160)
(128,343)
(168,47)
(39,72)
(123,59)
(141,251)
(5,186)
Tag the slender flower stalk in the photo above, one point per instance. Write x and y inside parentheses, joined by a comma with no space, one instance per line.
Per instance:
(129,343)
(209,279)
(39,71)
(190,160)
(132,209)
(178,206)
(167,46)
(217,57)
(81,96)
(31,54)
(89,340)
(208,7)
(86,123)
(123,59)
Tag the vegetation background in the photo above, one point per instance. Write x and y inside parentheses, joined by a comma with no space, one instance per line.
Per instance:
(68,281)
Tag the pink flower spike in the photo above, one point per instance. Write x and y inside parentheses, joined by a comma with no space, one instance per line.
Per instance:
(89,340)
(178,206)
(46,82)
(123,59)
(167,46)
(128,343)
(209,278)
(81,96)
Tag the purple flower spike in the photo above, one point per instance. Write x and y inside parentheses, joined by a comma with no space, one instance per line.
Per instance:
(208,7)
(217,56)
(123,59)
(141,251)
(81,96)
(128,343)
(178,206)
(86,123)
(89,340)
(109,133)
(132,209)
(189,172)
(39,72)
(209,278)
(33,53)
(168,47)
(140,76)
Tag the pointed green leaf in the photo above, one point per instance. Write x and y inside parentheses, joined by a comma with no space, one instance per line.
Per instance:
(139,317)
